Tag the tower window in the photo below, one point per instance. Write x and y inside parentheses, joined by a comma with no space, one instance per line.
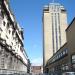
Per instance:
(6,36)
(4,23)
(9,31)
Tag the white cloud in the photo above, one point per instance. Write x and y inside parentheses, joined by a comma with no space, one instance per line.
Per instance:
(37,62)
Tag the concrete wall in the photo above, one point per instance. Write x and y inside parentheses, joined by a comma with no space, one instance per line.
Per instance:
(48,50)
(54,26)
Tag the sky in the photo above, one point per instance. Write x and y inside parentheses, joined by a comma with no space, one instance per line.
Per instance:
(28,14)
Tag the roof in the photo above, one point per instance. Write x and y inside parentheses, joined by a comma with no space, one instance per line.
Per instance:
(70,23)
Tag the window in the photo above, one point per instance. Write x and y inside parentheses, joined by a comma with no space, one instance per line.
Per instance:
(10,59)
(0,11)
(6,36)
(7,25)
(18,45)
(2,14)
(9,31)
(59,28)
(59,55)
(4,41)
(6,55)
(1,29)
(11,43)
(58,9)
(0,47)
(73,58)
(53,32)
(73,65)
(63,52)
(66,51)
(56,31)
(66,67)
(2,62)
(4,23)
(13,32)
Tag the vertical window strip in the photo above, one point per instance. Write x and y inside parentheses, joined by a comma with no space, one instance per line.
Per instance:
(59,29)
(52,33)
(56,32)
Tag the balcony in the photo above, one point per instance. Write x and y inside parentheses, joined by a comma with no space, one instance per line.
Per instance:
(2,42)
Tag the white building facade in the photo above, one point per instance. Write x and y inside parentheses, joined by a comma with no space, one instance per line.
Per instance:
(54,26)
(12,53)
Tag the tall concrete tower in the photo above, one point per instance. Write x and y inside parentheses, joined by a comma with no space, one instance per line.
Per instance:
(54,25)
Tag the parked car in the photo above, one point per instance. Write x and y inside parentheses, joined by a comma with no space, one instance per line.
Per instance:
(68,73)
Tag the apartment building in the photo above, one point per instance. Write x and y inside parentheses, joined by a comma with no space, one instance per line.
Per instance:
(12,53)
(36,69)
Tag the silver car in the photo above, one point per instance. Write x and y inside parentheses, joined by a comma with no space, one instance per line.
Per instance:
(68,73)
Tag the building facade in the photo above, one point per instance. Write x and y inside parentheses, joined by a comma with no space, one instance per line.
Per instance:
(12,54)
(36,69)
(54,26)
(64,58)
(70,32)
